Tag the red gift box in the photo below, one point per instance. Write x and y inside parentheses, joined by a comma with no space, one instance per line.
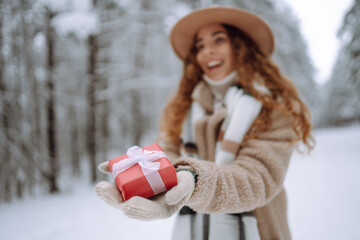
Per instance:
(133,182)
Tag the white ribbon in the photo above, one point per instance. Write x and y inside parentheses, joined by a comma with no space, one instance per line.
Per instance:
(147,164)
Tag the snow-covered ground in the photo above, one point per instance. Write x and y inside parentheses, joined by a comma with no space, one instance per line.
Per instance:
(324,187)
(323,192)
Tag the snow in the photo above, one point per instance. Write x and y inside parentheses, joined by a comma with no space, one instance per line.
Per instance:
(54,5)
(58,6)
(74,215)
(81,23)
(74,17)
(177,12)
(323,191)
(324,188)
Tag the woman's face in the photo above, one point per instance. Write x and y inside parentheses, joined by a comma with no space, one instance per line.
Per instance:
(214,52)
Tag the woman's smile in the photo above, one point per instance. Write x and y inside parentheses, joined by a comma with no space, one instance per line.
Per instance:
(215,64)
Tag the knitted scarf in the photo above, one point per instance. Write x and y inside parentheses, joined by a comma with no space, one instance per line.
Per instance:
(240,110)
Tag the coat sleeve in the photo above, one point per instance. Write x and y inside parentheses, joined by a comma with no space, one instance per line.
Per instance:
(252,180)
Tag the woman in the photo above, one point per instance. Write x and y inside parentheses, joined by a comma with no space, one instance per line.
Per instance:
(229,130)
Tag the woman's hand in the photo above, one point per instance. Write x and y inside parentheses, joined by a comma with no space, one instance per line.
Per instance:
(160,206)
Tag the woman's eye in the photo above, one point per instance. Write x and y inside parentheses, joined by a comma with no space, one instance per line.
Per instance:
(199,47)
(219,39)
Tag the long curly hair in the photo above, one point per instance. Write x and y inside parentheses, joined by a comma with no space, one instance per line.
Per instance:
(252,66)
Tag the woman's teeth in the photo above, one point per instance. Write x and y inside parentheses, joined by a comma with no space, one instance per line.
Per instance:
(215,63)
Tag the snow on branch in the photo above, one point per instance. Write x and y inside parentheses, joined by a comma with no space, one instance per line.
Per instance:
(64,5)
(80,23)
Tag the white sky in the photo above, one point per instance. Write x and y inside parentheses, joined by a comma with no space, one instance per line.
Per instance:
(319,22)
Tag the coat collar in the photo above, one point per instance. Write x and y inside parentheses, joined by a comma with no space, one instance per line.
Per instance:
(203,95)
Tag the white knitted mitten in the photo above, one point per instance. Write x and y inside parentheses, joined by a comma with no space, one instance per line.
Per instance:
(163,205)
(104,167)
(109,193)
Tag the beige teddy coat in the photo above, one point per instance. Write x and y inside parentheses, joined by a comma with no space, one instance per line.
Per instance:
(252,182)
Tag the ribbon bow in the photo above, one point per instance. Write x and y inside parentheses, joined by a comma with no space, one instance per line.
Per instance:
(147,164)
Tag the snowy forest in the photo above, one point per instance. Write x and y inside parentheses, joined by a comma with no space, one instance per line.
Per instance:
(81,81)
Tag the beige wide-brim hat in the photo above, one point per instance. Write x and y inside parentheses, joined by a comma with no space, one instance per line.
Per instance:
(183,33)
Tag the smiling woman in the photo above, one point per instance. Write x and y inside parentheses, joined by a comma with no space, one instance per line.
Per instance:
(229,130)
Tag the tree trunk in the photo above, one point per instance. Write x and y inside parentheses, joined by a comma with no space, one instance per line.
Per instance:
(91,112)
(104,121)
(74,142)
(32,109)
(5,154)
(50,108)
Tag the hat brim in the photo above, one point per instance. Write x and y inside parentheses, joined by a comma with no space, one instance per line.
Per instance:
(183,33)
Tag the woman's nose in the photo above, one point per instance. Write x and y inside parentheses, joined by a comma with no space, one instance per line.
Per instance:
(209,50)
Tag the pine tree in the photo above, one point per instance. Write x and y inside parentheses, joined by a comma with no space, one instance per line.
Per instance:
(342,91)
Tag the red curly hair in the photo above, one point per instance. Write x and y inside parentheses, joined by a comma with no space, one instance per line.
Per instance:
(252,66)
